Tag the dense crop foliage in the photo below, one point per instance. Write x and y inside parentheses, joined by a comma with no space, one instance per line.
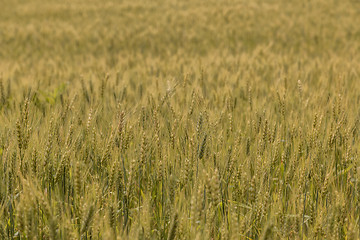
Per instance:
(179,119)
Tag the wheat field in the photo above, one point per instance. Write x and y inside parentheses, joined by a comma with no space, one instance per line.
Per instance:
(179,119)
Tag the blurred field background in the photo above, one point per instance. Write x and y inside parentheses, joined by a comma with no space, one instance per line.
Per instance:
(184,119)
